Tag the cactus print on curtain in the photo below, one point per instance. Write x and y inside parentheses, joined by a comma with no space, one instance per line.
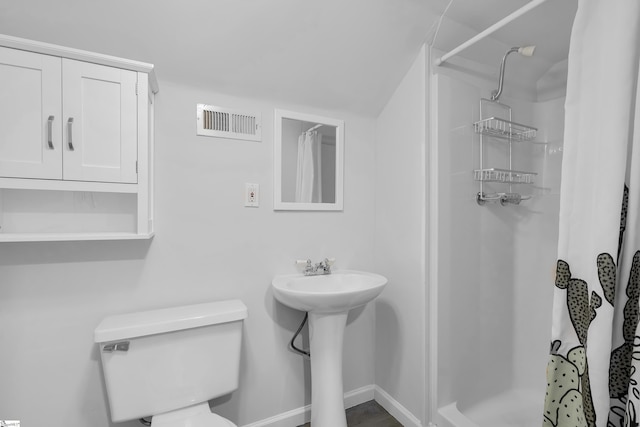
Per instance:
(593,373)
(568,400)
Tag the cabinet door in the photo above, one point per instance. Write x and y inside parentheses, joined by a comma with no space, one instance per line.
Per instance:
(30,115)
(99,104)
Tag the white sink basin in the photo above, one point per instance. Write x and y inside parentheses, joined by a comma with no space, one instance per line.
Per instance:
(339,291)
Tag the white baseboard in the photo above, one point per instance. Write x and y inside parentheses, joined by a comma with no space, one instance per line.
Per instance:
(299,416)
(358,396)
(392,406)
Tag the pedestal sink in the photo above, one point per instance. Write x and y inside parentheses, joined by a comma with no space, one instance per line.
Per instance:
(328,299)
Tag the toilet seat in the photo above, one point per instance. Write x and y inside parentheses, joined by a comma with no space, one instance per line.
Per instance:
(194,416)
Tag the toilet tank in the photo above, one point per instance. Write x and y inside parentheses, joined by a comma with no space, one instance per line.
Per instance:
(161,360)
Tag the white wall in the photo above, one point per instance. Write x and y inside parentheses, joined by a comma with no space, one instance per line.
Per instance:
(400,243)
(208,247)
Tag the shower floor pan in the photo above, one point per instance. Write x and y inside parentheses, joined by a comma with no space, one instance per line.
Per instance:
(514,408)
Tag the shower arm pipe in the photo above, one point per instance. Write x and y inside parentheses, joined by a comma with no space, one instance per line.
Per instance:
(496,93)
(495,27)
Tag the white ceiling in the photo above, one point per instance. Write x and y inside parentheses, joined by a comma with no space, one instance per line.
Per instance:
(333,54)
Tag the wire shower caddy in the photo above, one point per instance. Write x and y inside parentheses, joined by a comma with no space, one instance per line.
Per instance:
(499,125)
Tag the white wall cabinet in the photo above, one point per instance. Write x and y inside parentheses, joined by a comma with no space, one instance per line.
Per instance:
(66,119)
(76,144)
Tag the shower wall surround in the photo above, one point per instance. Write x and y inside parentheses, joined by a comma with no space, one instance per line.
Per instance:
(495,264)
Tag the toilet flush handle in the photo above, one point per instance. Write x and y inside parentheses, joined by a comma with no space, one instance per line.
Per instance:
(116,346)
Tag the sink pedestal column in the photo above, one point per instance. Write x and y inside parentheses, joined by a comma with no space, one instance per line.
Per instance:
(326,336)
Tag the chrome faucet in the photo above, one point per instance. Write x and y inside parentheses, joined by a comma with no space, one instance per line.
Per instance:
(322,267)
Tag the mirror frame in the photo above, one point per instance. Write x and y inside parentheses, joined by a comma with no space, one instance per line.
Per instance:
(278,204)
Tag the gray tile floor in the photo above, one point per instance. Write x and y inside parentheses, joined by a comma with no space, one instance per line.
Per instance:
(368,414)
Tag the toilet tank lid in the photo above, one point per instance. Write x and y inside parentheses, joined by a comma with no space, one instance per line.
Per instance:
(132,325)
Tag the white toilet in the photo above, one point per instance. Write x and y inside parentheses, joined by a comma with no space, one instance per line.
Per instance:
(169,363)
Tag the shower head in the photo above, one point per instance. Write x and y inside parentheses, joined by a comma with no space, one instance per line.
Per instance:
(524,51)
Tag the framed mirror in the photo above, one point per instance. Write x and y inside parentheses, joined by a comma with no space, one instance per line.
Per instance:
(308,162)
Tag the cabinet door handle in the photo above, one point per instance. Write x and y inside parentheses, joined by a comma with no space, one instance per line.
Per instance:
(50,131)
(70,133)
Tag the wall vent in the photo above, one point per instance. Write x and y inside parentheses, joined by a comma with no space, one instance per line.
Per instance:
(227,123)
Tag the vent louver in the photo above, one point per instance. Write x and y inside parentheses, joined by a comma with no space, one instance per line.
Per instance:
(227,123)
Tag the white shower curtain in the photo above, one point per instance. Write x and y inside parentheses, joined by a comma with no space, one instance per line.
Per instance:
(593,374)
(309,172)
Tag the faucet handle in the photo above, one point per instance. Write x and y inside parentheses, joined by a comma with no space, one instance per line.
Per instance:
(326,265)
(307,266)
